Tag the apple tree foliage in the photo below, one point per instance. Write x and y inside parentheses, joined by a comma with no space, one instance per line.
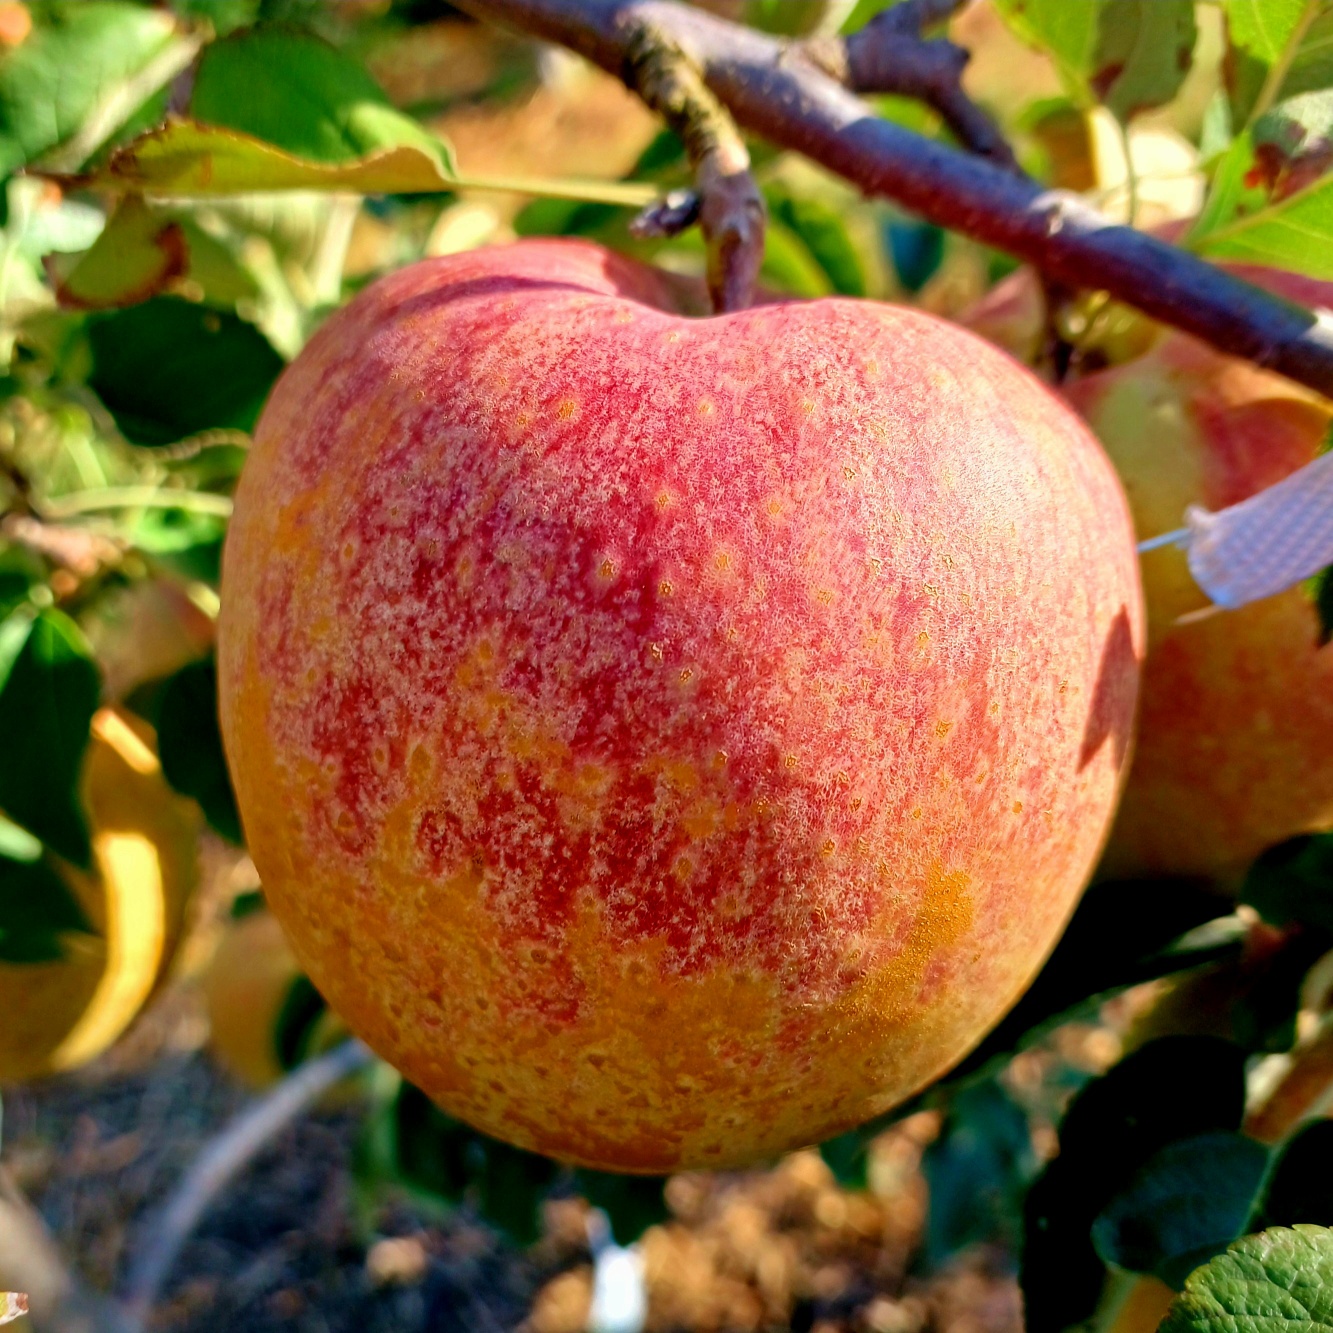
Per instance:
(186,190)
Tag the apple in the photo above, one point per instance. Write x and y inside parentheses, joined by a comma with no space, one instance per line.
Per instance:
(669,741)
(1235,748)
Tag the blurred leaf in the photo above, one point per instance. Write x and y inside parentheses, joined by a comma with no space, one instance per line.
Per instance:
(1186,1204)
(442,1156)
(1278,48)
(297,92)
(1293,882)
(36,908)
(49,687)
(189,742)
(1271,200)
(1127,54)
(1170,1089)
(632,1204)
(1299,1187)
(138,253)
(186,159)
(1323,600)
(186,542)
(1263,27)
(788,264)
(978,1170)
(916,249)
(821,229)
(80,73)
(1276,1282)
(846,1157)
(1144,51)
(169,368)
(302,1008)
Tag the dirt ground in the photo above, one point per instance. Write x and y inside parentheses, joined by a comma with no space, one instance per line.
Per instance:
(293,1245)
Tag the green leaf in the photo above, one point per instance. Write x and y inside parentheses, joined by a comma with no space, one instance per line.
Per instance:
(36,909)
(84,69)
(440,1156)
(186,159)
(186,542)
(1271,201)
(293,90)
(273,109)
(1293,882)
(169,368)
(820,227)
(1068,33)
(189,743)
(916,248)
(1323,600)
(1186,1204)
(1168,1090)
(302,1008)
(1263,27)
(977,1170)
(1299,1187)
(1128,54)
(846,1157)
(632,1204)
(1279,1281)
(137,255)
(1278,48)
(1144,51)
(47,699)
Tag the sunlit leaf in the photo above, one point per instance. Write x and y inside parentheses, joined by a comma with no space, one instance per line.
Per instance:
(1277,1281)
(1279,48)
(48,695)
(186,159)
(294,91)
(137,255)
(80,73)
(1127,54)
(1271,201)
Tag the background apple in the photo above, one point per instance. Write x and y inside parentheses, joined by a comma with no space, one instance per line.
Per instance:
(669,741)
(1235,747)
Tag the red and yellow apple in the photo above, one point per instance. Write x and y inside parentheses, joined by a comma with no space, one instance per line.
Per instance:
(1235,747)
(669,741)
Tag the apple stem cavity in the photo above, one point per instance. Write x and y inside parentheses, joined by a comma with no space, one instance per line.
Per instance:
(730,208)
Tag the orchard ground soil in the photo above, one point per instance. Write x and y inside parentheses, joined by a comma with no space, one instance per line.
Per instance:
(294,1244)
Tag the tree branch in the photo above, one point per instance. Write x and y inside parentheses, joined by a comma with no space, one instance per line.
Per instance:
(890,55)
(778,93)
(730,208)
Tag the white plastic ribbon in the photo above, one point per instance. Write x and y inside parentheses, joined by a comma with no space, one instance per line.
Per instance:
(1265,544)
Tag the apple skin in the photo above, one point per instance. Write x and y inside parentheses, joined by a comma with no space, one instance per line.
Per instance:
(1235,747)
(669,741)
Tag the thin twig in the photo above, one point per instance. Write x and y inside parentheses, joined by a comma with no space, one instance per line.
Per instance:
(775,92)
(891,55)
(164,1233)
(731,209)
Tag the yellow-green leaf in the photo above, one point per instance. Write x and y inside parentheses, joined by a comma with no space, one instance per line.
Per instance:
(186,159)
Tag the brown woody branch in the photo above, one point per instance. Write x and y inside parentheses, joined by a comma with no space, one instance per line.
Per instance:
(775,91)
(730,209)
(890,55)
